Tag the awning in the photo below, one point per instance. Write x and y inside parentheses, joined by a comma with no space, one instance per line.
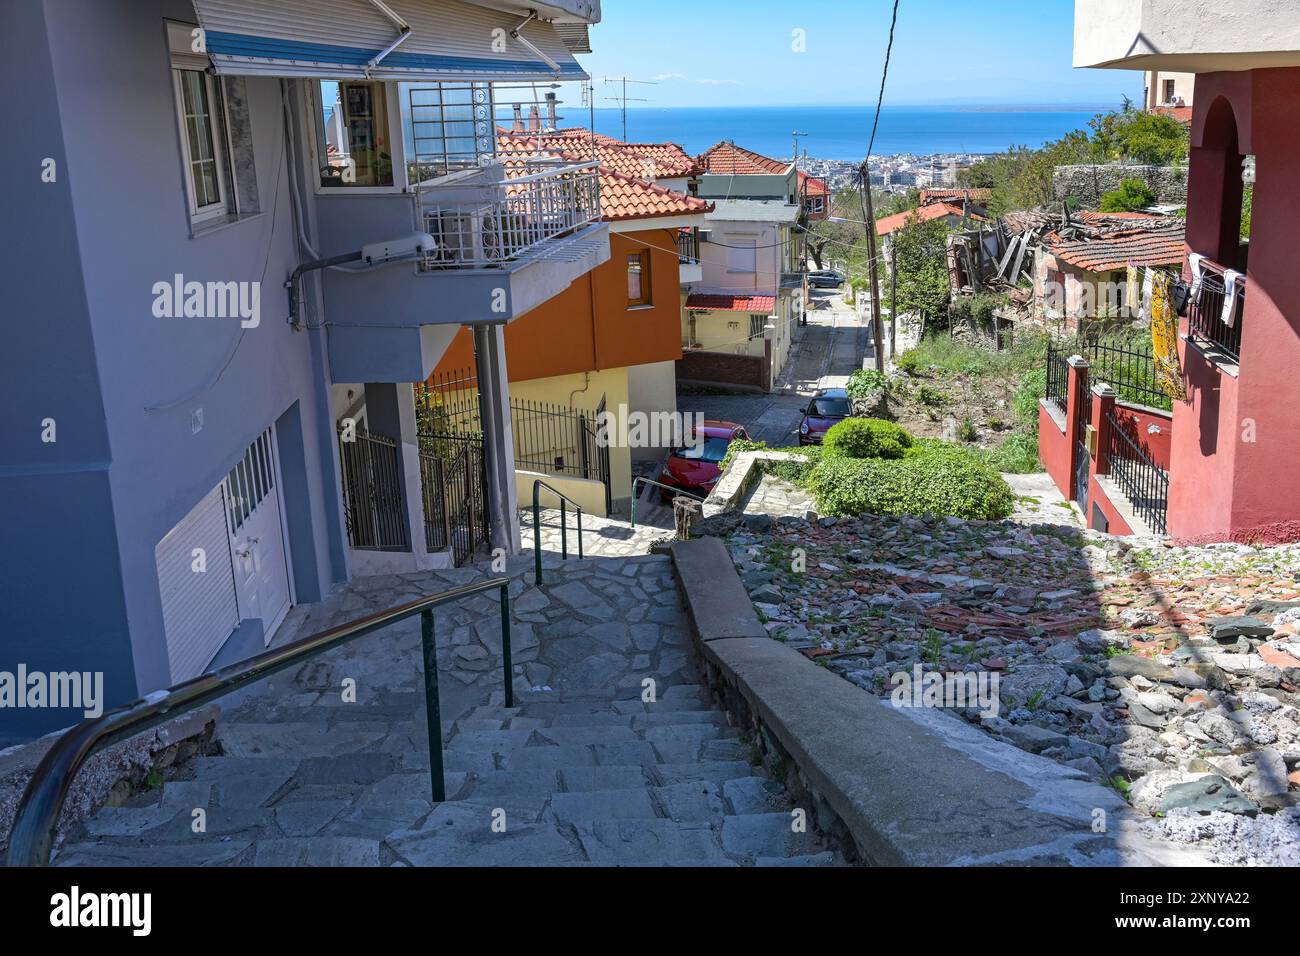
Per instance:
(346,39)
(728,302)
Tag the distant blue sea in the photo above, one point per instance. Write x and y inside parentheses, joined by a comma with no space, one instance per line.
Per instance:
(841,132)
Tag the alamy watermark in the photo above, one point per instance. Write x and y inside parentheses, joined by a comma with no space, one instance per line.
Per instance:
(54,690)
(180,299)
(622,428)
(956,689)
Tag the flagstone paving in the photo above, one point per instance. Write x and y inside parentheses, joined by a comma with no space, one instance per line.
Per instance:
(1171,673)
(612,755)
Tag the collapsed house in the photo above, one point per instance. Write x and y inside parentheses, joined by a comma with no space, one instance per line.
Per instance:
(1064,269)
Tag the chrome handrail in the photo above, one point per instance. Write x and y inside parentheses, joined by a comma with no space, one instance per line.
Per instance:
(538,485)
(660,484)
(32,836)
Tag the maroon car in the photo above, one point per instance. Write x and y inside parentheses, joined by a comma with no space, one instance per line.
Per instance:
(695,468)
(828,407)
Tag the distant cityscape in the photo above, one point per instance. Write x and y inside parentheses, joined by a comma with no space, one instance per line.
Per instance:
(893,173)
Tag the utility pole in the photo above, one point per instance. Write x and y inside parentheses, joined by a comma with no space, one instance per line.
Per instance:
(893,298)
(873,275)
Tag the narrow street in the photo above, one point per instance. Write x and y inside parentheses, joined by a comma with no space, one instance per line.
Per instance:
(825,353)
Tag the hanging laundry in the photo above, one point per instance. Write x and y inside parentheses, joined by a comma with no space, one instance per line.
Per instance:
(1132,292)
(1194,260)
(1164,336)
(1230,290)
(1147,278)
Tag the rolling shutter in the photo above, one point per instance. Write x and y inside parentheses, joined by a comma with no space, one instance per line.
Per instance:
(338,39)
(199,608)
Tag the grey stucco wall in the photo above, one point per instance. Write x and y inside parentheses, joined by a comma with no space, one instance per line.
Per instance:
(125,385)
(1089,183)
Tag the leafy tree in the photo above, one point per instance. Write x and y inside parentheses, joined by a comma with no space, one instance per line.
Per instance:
(1133,195)
(920,253)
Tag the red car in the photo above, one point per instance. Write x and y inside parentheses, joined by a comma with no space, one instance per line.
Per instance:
(829,407)
(694,468)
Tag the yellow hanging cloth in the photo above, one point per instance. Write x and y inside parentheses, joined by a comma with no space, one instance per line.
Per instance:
(1164,338)
(1132,292)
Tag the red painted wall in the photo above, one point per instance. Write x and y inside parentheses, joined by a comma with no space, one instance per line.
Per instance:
(1054,450)
(1137,423)
(1221,481)
(1117,524)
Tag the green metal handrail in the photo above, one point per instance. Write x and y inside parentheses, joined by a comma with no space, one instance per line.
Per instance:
(660,484)
(538,485)
(32,836)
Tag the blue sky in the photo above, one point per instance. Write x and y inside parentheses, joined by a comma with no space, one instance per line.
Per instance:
(709,53)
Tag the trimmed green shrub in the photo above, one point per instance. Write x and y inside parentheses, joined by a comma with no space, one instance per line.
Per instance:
(866,438)
(940,480)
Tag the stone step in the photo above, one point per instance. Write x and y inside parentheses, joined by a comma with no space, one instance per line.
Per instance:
(649,843)
(589,806)
(765,835)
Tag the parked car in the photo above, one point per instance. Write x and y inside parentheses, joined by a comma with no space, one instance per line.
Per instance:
(828,406)
(826,279)
(694,468)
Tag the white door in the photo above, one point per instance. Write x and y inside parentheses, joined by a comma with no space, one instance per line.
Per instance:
(197,587)
(257,536)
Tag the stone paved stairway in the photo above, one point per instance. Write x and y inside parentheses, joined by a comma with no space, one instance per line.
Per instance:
(582,771)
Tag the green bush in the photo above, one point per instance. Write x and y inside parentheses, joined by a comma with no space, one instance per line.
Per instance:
(1032,388)
(909,363)
(866,438)
(967,431)
(864,382)
(1133,195)
(941,480)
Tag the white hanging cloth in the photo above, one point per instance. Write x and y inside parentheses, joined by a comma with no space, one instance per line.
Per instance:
(1230,277)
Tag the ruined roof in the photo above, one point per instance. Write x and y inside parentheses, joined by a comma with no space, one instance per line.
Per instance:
(1101,242)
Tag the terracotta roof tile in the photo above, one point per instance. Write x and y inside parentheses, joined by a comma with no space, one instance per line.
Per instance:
(624,194)
(936,210)
(948,195)
(1119,240)
(729,302)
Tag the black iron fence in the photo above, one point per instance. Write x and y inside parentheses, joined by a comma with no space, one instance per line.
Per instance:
(1206,316)
(453,481)
(1058,378)
(1144,483)
(549,438)
(373,504)
(1129,368)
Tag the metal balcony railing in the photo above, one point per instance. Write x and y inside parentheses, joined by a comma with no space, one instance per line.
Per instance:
(688,247)
(1144,482)
(1205,317)
(498,214)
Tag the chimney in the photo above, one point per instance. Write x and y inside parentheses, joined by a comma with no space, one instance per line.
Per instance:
(518,125)
(534,119)
(551,120)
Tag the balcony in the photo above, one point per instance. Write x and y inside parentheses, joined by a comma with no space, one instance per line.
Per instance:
(509,237)
(1177,36)
(1214,329)
(792,281)
(688,256)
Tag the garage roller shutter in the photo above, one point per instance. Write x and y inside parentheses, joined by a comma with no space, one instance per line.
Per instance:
(337,39)
(199,609)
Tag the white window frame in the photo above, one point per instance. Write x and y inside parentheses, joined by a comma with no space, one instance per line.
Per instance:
(398,140)
(184,59)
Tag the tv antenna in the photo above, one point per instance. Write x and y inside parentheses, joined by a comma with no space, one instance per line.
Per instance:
(624,99)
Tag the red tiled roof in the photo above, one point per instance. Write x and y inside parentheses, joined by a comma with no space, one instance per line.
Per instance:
(810,185)
(1182,114)
(727,302)
(728,159)
(948,195)
(623,195)
(641,160)
(1119,240)
(936,210)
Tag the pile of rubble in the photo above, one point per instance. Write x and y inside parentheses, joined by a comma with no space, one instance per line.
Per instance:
(1171,674)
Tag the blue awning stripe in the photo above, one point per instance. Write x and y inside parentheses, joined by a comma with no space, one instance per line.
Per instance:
(273,48)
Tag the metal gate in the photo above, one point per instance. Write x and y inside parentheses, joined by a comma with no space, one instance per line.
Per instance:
(1081,472)
(453,476)
(1082,466)
(372,490)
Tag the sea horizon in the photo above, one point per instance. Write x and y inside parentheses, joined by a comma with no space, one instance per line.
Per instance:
(840,132)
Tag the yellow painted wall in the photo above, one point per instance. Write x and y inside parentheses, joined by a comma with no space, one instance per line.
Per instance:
(580,390)
(587,492)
